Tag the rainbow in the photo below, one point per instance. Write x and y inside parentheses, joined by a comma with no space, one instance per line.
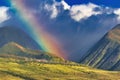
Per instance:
(44,39)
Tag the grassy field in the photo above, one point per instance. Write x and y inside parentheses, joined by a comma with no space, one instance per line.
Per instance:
(12,69)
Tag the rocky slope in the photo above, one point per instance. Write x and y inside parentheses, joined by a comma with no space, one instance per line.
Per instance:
(106,53)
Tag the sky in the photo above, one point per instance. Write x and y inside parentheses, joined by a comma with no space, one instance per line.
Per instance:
(4,3)
(68,28)
(110,3)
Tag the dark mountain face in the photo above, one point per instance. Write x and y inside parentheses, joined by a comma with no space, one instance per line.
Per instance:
(106,53)
(15,34)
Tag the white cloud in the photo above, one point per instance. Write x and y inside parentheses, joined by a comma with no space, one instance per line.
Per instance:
(83,11)
(77,12)
(53,8)
(3,14)
(65,5)
(117,12)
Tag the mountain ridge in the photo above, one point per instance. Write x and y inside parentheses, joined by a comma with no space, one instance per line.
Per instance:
(106,53)
(18,35)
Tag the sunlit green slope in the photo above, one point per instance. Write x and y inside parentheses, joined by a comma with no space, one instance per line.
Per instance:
(11,69)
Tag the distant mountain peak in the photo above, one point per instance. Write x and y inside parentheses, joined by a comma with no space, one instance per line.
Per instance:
(114,34)
(18,35)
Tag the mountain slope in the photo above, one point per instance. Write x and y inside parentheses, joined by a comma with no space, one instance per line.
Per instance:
(14,50)
(106,53)
(15,34)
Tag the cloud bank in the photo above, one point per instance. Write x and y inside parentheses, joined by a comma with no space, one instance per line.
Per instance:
(3,14)
(54,8)
(117,12)
(82,11)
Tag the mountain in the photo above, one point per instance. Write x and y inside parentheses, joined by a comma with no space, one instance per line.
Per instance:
(15,34)
(19,63)
(14,50)
(106,53)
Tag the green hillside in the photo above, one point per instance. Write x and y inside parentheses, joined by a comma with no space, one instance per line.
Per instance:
(15,50)
(106,53)
(12,69)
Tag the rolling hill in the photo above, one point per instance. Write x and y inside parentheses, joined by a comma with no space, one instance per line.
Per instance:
(14,69)
(14,50)
(106,53)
